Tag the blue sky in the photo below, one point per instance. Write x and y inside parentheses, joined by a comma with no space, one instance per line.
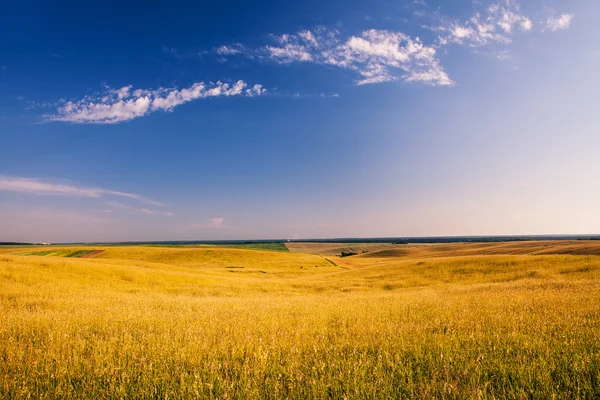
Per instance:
(170,121)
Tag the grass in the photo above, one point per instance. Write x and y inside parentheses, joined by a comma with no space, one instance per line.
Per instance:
(336,249)
(275,246)
(257,246)
(139,322)
(60,253)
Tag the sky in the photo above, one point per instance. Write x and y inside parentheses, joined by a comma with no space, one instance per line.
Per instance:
(154,120)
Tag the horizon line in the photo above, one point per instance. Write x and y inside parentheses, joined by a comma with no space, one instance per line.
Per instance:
(414,239)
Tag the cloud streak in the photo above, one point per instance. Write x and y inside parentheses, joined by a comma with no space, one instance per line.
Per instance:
(229,50)
(135,210)
(125,104)
(46,188)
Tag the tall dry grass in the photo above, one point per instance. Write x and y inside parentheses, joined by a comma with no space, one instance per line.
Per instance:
(182,324)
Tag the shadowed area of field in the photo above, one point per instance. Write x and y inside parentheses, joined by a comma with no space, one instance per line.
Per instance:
(482,320)
(378,250)
(336,249)
(578,247)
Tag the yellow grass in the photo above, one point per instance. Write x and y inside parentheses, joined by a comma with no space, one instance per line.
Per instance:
(466,321)
(336,249)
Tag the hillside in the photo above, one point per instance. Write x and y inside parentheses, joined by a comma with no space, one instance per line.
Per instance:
(459,321)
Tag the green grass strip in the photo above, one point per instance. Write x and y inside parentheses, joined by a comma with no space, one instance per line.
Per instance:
(79,253)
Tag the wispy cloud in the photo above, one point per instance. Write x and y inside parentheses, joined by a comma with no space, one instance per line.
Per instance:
(497,24)
(224,50)
(125,104)
(374,55)
(559,23)
(216,222)
(170,51)
(135,210)
(383,55)
(40,187)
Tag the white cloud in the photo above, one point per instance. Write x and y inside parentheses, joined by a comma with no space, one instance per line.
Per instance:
(375,55)
(498,25)
(559,23)
(289,53)
(46,188)
(229,50)
(122,93)
(123,104)
(382,55)
(255,90)
(509,17)
(526,25)
(308,37)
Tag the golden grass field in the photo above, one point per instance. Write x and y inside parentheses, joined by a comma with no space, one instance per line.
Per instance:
(459,321)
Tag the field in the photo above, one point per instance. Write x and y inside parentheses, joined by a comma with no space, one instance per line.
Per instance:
(248,246)
(336,249)
(514,320)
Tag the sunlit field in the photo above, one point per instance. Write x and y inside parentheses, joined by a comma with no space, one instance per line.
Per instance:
(505,320)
